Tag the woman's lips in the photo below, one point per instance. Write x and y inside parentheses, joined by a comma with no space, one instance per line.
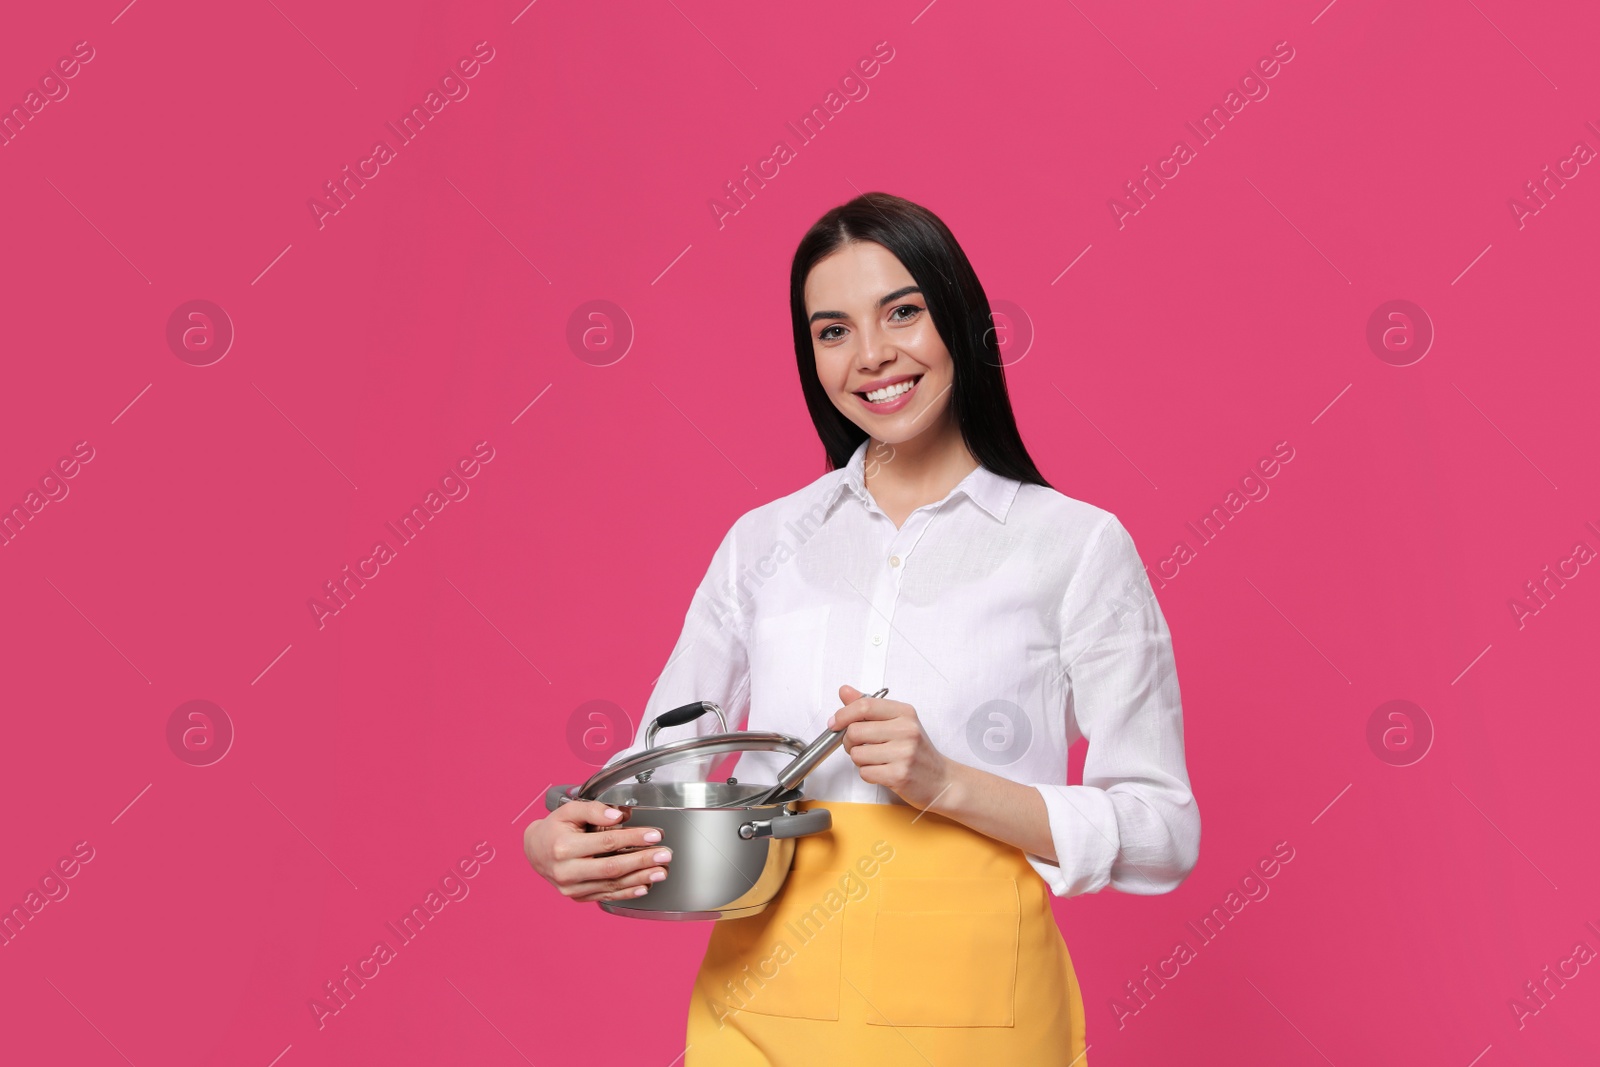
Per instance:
(894,403)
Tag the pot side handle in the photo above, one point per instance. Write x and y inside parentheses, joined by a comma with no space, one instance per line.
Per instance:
(811,821)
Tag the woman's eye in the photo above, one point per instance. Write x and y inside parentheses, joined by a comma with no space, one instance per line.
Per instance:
(912,308)
(826,334)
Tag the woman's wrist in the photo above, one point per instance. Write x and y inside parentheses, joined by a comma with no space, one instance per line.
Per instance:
(996,807)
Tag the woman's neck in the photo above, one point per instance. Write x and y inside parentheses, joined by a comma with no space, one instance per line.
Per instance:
(905,476)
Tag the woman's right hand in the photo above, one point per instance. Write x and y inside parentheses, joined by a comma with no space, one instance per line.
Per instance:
(567,854)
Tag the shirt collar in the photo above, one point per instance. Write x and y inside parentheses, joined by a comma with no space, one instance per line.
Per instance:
(990,491)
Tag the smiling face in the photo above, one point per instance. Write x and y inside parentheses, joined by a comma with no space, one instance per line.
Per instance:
(879,357)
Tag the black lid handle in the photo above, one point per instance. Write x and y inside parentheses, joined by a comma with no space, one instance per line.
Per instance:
(677,717)
(687,713)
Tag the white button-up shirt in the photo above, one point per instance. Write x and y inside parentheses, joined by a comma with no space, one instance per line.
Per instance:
(1013,618)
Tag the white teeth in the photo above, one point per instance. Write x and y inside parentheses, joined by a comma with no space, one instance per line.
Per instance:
(889,392)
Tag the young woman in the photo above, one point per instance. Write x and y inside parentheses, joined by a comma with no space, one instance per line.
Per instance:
(1006,619)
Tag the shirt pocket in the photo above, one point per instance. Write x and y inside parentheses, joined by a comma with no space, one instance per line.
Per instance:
(786,663)
(944,952)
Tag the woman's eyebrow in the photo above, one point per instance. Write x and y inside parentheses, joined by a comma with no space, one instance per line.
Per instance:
(882,300)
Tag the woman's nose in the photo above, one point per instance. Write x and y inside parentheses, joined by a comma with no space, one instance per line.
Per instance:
(875,353)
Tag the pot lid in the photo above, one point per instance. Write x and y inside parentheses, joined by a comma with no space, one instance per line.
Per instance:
(641,764)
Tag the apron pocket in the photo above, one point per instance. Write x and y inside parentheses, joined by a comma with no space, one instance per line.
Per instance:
(783,962)
(944,952)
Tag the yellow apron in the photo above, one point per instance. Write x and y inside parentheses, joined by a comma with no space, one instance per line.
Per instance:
(900,937)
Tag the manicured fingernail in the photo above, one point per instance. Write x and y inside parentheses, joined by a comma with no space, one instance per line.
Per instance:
(612,813)
(652,836)
(656,876)
(830,723)
(641,891)
(662,857)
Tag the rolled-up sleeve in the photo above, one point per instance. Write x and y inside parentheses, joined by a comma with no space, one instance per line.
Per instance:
(710,661)
(1133,824)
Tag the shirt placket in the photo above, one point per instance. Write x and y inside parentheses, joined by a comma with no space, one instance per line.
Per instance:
(889,571)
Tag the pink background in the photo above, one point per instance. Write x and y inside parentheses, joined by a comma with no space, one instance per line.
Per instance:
(373,353)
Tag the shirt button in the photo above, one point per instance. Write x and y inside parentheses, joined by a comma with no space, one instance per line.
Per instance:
(894,561)
(877,639)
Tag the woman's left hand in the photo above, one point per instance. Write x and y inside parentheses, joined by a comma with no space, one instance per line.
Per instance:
(887,744)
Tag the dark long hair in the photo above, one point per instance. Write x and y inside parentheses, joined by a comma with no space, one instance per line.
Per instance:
(921,241)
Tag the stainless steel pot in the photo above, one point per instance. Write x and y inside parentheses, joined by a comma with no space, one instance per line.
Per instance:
(729,855)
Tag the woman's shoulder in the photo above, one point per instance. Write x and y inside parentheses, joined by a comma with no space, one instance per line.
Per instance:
(800,512)
(1054,510)
(1081,545)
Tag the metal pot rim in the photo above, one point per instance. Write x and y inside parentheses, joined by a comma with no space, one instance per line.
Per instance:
(705,745)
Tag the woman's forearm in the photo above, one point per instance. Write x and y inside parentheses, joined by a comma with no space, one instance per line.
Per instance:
(997,807)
